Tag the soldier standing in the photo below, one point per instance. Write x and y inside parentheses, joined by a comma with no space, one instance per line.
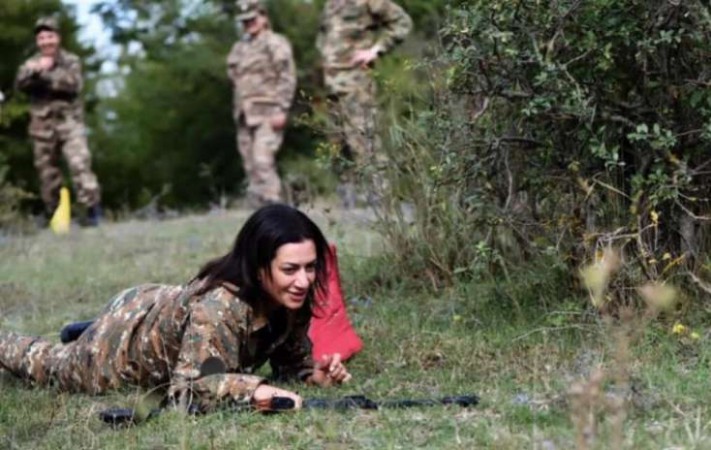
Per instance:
(53,80)
(352,35)
(263,74)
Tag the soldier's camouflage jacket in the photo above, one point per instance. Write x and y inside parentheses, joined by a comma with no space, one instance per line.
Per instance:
(350,25)
(159,336)
(54,94)
(263,75)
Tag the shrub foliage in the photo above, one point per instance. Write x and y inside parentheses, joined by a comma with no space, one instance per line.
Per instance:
(562,127)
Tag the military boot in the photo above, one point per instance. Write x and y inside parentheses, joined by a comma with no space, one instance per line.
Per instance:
(94,216)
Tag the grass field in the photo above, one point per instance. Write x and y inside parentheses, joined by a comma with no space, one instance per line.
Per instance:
(510,342)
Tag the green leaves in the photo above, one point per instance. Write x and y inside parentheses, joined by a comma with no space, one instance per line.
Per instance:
(657,138)
(172,117)
(581,119)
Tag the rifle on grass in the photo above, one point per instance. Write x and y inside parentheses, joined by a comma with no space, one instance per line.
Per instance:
(213,365)
(127,416)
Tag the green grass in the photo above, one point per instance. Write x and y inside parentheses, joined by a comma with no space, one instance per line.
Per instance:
(486,338)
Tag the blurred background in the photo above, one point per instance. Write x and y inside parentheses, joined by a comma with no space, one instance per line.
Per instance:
(158,100)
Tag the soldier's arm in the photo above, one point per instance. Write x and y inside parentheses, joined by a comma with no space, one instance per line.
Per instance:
(395,22)
(208,336)
(66,77)
(232,59)
(293,360)
(286,69)
(28,78)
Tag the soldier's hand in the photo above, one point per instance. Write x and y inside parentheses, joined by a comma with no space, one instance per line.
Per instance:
(33,65)
(262,397)
(46,62)
(278,121)
(364,58)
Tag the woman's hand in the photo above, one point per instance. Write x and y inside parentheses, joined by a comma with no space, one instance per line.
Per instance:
(330,370)
(262,397)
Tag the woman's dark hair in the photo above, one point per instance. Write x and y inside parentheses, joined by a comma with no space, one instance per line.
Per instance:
(256,245)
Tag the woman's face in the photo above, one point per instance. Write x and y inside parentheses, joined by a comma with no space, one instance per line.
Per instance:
(293,271)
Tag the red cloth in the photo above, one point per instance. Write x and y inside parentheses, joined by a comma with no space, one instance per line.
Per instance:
(330,330)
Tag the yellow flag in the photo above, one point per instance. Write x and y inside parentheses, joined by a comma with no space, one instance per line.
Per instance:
(61,220)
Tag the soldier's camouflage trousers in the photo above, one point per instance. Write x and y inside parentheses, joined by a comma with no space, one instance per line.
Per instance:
(352,123)
(35,359)
(48,146)
(100,359)
(258,147)
(79,366)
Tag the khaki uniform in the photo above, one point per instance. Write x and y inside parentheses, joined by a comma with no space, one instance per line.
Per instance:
(57,125)
(347,26)
(263,74)
(159,336)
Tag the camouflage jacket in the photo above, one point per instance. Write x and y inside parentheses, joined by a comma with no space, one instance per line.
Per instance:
(263,75)
(159,336)
(349,25)
(54,92)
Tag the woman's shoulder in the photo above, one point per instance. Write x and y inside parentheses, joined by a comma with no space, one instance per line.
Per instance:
(203,289)
(148,289)
(223,294)
(144,296)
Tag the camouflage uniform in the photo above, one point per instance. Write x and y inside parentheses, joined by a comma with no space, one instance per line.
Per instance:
(57,124)
(263,74)
(348,26)
(159,336)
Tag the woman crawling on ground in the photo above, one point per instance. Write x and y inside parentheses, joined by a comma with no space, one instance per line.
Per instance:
(247,307)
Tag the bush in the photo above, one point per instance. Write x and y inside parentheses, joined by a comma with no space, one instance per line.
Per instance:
(560,128)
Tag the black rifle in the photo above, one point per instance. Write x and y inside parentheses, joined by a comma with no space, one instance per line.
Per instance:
(214,365)
(363,402)
(127,416)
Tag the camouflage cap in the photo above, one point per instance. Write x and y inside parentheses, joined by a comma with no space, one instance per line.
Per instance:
(249,9)
(46,23)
